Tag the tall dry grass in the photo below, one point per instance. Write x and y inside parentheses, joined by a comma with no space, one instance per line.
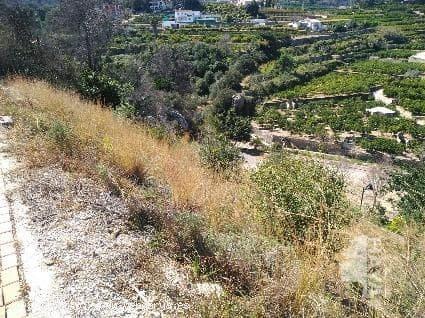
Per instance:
(135,150)
(301,281)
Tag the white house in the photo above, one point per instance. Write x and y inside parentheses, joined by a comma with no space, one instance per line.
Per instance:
(243,2)
(171,24)
(259,22)
(186,16)
(384,111)
(418,58)
(310,24)
(159,5)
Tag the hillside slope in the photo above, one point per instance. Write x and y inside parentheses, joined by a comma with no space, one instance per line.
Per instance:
(129,215)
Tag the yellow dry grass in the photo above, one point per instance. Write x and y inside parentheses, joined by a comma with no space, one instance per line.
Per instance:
(132,148)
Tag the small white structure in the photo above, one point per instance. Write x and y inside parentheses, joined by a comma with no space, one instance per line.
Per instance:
(170,24)
(384,111)
(419,57)
(380,97)
(259,22)
(159,5)
(243,2)
(6,121)
(309,24)
(186,16)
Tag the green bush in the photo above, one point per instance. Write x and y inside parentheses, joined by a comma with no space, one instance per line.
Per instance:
(126,110)
(298,198)
(410,183)
(233,126)
(382,144)
(101,88)
(61,135)
(219,154)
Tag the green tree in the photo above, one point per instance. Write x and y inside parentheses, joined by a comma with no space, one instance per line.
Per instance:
(253,9)
(140,5)
(154,20)
(285,62)
(410,183)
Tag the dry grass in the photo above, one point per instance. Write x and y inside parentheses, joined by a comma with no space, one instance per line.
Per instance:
(282,280)
(138,153)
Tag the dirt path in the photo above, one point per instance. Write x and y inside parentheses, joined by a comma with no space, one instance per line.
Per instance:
(59,262)
(12,302)
(36,289)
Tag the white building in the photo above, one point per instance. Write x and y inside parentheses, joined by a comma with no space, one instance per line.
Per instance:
(186,16)
(259,22)
(159,5)
(170,24)
(243,2)
(418,58)
(384,111)
(309,24)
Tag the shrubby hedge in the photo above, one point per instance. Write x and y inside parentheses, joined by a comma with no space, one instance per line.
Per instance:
(390,146)
(298,198)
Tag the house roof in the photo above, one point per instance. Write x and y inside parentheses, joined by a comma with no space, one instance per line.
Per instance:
(381,110)
(419,56)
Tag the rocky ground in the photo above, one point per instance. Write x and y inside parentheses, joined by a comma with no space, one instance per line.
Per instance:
(81,254)
(80,232)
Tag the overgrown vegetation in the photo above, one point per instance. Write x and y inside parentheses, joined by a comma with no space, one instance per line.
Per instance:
(270,241)
(299,199)
(160,117)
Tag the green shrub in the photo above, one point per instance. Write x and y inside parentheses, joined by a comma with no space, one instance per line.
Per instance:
(219,154)
(233,126)
(299,198)
(126,110)
(100,88)
(410,182)
(396,224)
(382,144)
(61,135)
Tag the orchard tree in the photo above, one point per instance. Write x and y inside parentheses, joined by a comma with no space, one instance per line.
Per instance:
(253,9)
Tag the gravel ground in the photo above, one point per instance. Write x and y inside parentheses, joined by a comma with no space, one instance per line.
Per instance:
(78,229)
(99,267)
(94,260)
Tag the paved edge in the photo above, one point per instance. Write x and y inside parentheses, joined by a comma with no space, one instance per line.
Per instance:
(12,300)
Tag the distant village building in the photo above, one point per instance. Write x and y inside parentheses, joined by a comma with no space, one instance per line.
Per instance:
(113,9)
(418,58)
(160,5)
(308,24)
(259,22)
(383,111)
(187,17)
(235,2)
(243,2)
